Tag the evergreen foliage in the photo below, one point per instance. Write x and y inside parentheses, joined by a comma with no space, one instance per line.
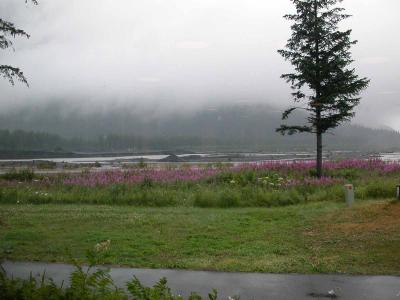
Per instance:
(8,32)
(323,81)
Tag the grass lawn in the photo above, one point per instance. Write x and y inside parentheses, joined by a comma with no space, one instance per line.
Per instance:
(320,237)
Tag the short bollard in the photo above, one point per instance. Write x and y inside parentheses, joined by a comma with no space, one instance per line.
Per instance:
(349,194)
(398,193)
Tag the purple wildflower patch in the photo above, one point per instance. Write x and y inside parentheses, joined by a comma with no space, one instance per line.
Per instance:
(193,174)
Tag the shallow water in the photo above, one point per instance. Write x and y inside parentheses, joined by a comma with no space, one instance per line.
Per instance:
(82,160)
(395,156)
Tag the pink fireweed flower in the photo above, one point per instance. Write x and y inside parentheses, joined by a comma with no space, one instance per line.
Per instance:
(170,175)
(363,164)
(139,175)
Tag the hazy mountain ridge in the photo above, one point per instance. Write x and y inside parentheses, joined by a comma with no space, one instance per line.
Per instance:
(229,127)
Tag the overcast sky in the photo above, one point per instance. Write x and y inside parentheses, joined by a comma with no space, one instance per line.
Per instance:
(182,54)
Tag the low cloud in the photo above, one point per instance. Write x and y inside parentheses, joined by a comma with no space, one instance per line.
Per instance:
(149,79)
(192,45)
(374,60)
(182,54)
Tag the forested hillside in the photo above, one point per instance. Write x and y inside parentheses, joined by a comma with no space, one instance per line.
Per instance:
(248,128)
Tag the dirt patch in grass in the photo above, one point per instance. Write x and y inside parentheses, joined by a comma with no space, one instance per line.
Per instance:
(383,217)
(380,216)
(358,240)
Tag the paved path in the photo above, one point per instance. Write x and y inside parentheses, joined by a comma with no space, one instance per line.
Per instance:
(246,285)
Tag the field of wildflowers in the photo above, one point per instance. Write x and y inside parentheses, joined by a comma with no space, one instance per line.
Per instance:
(270,183)
(178,217)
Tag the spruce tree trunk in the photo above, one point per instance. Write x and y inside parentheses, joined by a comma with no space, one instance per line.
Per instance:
(319,154)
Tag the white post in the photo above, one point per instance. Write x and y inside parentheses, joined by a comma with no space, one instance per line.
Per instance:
(398,192)
(349,194)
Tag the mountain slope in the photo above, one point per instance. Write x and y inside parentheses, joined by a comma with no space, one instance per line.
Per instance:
(235,127)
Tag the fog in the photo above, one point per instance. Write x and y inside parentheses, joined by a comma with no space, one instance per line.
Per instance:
(180,55)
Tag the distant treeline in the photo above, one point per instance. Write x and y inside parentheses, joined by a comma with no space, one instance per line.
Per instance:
(353,138)
(232,127)
(20,140)
(29,140)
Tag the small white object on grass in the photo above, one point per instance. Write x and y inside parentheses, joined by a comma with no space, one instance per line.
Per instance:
(349,194)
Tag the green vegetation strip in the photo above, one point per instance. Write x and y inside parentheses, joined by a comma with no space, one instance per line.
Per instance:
(313,238)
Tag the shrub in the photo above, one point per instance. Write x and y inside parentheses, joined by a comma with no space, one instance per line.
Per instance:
(380,189)
(20,175)
(8,195)
(142,164)
(228,198)
(223,198)
(205,199)
(147,182)
(155,197)
(46,165)
(95,283)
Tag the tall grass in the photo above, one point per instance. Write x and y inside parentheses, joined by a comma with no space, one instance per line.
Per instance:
(265,185)
(24,175)
(200,195)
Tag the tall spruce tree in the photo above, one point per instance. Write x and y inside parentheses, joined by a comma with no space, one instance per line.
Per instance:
(8,32)
(324,83)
